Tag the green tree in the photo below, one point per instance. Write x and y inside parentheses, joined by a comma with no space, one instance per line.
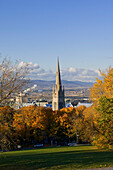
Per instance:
(104,136)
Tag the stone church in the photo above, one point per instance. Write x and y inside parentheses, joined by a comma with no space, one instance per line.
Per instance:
(58,101)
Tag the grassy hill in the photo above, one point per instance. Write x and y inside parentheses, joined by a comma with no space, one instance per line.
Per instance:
(77,157)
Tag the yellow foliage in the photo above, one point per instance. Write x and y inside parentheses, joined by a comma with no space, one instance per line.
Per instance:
(79,110)
(103,87)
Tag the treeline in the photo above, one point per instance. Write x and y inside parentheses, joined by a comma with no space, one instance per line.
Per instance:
(31,125)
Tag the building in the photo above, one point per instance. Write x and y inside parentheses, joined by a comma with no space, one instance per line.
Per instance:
(58,92)
(84,104)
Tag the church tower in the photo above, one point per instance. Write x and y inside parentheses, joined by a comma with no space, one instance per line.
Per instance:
(58,92)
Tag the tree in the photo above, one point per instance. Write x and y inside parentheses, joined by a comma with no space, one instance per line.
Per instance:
(102,97)
(90,124)
(12,79)
(104,135)
(27,124)
(65,126)
(35,123)
(78,122)
(103,87)
(6,127)
(49,122)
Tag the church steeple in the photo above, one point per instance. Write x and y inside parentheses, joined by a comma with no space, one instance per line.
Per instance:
(58,93)
(58,78)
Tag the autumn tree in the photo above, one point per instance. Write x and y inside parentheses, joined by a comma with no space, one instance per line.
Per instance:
(65,124)
(78,122)
(6,127)
(35,123)
(102,97)
(27,124)
(90,124)
(49,122)
(103,87)
(12,78)
(104,135)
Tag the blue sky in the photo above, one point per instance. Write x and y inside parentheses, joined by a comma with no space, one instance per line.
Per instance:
(80,32)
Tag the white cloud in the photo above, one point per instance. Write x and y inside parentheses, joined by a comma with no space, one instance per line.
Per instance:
(73,74)
(98,72)
(70,74)
(22,64)
(36,65)
(72,70)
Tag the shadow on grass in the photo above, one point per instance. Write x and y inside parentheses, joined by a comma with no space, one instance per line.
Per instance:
(58,160)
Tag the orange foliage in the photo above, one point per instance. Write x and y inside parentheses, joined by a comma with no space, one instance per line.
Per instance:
(35,121)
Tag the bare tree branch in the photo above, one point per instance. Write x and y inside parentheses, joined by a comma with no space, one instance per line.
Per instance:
(12,78)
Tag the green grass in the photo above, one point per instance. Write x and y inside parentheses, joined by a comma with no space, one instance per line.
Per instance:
(71,158)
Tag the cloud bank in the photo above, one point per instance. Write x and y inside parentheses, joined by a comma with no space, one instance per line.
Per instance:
(69,74)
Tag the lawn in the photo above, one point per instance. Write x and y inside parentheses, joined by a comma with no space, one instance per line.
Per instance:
(77,157)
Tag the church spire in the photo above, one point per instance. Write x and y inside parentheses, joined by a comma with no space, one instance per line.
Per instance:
(58,78)
(58,68)
(58,93)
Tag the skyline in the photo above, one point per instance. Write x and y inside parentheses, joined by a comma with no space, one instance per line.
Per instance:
(79,32)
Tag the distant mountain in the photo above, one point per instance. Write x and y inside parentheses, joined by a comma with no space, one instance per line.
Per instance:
(76,84)
(42,84)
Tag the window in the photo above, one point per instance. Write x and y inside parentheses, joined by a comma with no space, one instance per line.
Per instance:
(55,106)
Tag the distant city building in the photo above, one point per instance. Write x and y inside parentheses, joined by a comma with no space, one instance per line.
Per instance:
(58,92)
(84,104)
